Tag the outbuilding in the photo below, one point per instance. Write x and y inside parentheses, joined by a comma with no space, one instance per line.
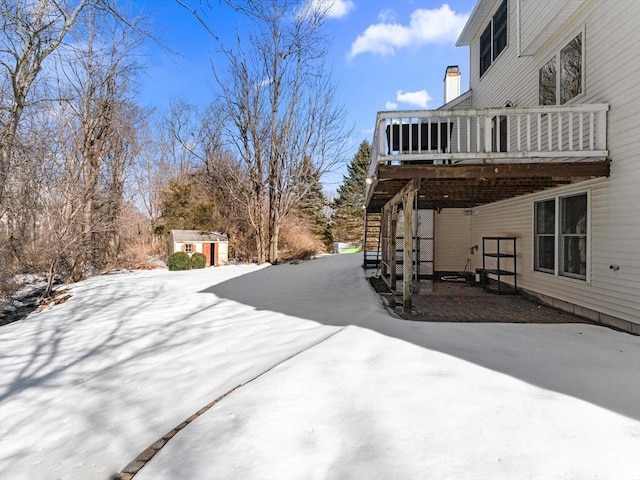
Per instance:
(213,245)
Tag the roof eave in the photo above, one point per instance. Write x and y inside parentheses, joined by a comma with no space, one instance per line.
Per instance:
(476,21)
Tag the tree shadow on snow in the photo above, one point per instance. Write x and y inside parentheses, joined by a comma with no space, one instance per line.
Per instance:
(66,352)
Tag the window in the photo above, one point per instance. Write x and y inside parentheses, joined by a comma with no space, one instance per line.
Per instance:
(545,226)
(560,236)
(188,248)
(560,79)
(494,38)
(573,236)
(499,133)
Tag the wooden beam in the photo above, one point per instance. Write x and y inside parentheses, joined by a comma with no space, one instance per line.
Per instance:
(407,274)
(411,186)
(504,170)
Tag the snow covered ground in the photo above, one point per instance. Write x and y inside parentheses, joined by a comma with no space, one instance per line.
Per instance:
(335,387)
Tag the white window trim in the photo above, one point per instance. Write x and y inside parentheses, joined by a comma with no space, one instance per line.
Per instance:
(556,268)
(556,56)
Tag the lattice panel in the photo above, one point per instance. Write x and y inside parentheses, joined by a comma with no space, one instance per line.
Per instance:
(422,241)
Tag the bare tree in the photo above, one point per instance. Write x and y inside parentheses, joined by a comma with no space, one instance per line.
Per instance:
(179,138)
(56,67)
(118,162)
(149,173)
(98,76)
(282,115)
(31,31)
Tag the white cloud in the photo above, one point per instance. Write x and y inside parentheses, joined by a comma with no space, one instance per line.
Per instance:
(440,25)
(390,106)
(420,98)
(387,16)
(332,8)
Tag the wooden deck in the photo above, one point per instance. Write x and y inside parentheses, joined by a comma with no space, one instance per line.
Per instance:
(435,159)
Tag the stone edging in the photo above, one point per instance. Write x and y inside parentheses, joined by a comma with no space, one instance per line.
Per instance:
(141,460)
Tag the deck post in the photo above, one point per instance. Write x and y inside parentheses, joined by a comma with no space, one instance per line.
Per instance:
(406,196)
(384,243)
(407,274)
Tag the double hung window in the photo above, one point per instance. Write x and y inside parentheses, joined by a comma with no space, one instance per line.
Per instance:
(494,38)
(560,236)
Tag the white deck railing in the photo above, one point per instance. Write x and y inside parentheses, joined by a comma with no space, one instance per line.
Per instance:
(495,135)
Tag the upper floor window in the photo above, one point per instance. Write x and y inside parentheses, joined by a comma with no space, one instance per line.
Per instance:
(494,38)
(560,79)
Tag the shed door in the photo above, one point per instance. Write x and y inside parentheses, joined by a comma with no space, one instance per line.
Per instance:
(206,250)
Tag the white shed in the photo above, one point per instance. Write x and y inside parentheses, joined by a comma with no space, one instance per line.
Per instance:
(213,245)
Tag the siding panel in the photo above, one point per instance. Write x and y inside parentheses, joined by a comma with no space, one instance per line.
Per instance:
(451,240)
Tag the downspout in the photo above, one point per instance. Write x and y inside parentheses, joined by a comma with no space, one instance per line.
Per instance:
(518,26)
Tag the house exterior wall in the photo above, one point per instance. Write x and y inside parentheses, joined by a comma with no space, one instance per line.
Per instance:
(537,19)
(452,247)
(611,72)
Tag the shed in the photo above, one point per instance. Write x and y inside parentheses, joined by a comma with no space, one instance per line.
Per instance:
(213,245)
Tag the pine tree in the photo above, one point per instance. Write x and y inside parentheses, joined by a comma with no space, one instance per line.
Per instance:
(348,217)
(312,208)
(185,206)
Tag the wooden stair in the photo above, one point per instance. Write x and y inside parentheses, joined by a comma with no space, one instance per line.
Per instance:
(371,244)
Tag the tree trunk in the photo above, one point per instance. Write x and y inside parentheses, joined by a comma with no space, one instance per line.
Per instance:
(260,247)
(274,222)
(6,143)
(274,232)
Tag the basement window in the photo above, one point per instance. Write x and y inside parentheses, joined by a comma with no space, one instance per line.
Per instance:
(494,38)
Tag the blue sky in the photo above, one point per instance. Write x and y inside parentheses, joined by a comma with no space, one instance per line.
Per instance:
(385,54)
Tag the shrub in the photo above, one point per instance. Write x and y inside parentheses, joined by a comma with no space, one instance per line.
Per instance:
(179,261)
(297,242)
(198,260)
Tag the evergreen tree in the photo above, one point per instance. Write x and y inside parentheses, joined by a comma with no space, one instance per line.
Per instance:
(348,217)
(185,206)
(312,208)
(313,211)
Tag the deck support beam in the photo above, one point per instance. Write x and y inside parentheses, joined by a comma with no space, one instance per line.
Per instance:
(407,274)
(406,196)
(384,243)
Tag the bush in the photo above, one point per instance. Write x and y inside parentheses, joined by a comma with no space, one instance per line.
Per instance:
(297,242)
(179,261)
(198,260)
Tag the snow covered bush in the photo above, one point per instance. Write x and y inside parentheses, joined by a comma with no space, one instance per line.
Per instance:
(198,260)
(179,261)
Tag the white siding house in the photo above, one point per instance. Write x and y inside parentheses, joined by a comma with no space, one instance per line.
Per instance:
(558,86)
